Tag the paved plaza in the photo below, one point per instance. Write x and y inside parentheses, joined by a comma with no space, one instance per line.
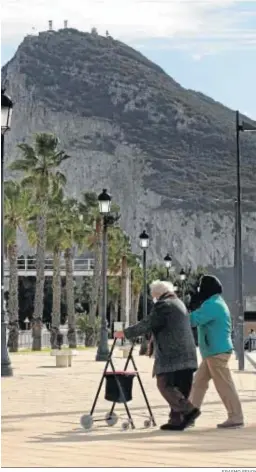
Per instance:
(42,405)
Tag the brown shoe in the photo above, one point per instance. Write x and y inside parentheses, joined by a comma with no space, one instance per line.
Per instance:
(230,424)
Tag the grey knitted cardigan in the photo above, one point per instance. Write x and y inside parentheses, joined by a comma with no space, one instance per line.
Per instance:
(174,343)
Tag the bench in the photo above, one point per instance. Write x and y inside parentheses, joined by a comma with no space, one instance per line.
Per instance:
(63,357)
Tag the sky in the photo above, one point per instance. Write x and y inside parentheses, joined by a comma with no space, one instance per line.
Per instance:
(209,45)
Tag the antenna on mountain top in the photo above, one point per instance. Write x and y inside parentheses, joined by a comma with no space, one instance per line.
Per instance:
(50,25)
(65,23)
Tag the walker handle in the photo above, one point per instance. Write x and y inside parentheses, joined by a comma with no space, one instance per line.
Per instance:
(119,335)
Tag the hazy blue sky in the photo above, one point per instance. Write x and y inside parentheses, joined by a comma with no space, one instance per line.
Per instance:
(207,45)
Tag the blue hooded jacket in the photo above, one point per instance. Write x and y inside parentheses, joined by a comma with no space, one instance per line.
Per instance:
(212,319)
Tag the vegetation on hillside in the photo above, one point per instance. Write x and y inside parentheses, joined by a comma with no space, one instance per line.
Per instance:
(187,140)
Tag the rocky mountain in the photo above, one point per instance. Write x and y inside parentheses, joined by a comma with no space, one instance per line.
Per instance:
(167,154)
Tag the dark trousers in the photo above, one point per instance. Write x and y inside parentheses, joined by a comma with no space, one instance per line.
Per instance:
(175,388)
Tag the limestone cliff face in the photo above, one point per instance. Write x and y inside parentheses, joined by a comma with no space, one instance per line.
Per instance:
(166,154)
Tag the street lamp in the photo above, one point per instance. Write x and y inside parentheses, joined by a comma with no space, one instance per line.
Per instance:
(26,321)
(168,264)
(104,200)
(239,318)
(144,244)
(6,114)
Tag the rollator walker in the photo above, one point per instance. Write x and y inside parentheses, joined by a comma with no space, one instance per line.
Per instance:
(118,389)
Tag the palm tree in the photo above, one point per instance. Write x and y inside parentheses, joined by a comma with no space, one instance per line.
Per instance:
(120,258)
(90,211)
(136,286)
(55,244)
(39,163)
(113,298)
(16,213)
(75,233)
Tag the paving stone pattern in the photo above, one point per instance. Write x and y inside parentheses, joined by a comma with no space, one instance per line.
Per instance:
(42,406)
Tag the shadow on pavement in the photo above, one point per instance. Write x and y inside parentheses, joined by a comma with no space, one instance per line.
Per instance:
(187,441)
(10,429)
(250,399)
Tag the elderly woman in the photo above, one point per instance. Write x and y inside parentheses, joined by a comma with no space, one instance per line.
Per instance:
(175,351)
(213,322)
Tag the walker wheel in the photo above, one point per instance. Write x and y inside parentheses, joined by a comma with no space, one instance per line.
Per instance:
(147,423)
(86,421)
(112,419)
(125,426)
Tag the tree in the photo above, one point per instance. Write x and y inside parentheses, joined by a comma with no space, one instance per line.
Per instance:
(16,213)
(136,286)
(119,259)
(55,243)
(85,327)
(39,163)
(75,230)
(113,298)
(89,208)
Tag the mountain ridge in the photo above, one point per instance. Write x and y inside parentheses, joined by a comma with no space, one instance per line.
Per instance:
(166,153)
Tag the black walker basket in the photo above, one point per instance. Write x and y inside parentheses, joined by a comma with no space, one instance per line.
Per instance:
(118,389)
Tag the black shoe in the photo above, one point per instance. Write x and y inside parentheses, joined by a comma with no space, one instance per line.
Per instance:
(191,425)
(190,417)
(172,427)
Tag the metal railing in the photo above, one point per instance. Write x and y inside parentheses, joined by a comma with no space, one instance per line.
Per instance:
(25,339)
(29,264)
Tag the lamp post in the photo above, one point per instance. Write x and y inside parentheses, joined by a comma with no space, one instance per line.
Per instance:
(26,321)
(182,279)
(239,321)
(104,200)
(6,114)
(168,264)
(144,244)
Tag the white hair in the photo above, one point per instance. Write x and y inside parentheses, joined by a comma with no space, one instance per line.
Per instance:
(159,287)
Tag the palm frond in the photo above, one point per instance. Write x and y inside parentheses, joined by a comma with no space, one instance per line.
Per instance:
(28,154)
(60,157)
(28,182)
(60,177)
(46,144)
(20,165)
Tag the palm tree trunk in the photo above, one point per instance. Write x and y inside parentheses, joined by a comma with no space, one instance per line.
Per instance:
(96,272)
(70,298)
(56,298)
(13,340)
(123,289)
(135,308)
(39,295)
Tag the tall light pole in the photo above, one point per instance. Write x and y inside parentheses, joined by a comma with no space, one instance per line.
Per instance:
(6,114)
(182,279)
(235,298)
(168,264)
(104,200)
(144,244)
(239,253)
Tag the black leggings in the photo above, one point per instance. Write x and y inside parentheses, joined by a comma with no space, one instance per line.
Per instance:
(182,380)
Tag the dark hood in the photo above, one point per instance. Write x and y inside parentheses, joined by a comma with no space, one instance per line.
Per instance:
(209,286)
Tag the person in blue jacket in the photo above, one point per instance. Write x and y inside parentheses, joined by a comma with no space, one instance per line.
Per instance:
(213,323)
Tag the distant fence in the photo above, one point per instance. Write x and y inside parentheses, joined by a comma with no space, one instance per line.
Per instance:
(25,339)
(29,264)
